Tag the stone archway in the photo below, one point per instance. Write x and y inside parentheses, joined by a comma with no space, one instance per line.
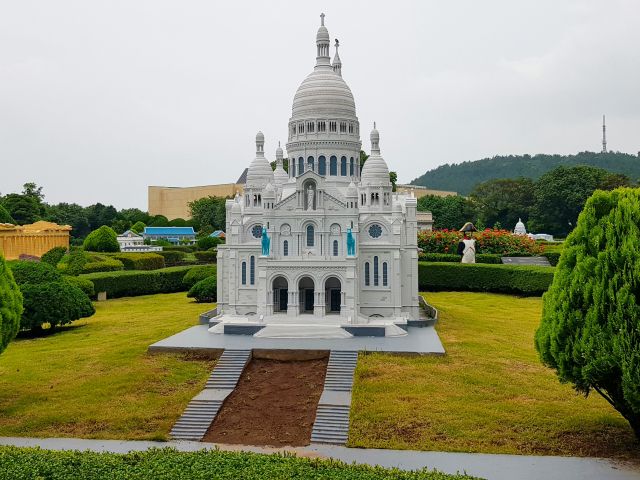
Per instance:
(280,294)
(306,288)
(333,295)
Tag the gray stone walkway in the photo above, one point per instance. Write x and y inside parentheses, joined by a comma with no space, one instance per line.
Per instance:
(420,341)
(489,467)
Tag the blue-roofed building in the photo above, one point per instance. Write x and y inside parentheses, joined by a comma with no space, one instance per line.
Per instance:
(172,234)
(218,234)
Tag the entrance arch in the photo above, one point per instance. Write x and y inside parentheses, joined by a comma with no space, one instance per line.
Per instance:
(333,294)
(280,294)
(306,287)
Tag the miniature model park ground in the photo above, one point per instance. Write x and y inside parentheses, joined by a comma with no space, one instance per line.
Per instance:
(273,404)
(489,394)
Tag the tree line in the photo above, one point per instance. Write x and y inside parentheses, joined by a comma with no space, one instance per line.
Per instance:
(550,204)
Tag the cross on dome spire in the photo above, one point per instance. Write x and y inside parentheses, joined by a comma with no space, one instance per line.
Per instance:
(322,19)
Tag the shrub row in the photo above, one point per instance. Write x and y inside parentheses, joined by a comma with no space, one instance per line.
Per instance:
(172,255)
(134,283)
(205,290)
(179,248)
(170,464)
(101,263)
(140,261)
(516,279)
(206,256)
(446,257)
(82,283)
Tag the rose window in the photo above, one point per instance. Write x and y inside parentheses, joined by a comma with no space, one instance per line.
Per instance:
(375,231)
(257,231)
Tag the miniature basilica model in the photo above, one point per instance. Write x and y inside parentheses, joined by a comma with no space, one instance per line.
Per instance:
(324,243)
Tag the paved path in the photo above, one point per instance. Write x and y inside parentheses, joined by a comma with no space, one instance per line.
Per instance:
(489,467)
(420,341)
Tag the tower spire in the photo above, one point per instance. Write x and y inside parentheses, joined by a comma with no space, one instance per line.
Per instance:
(604,136)
(322,45)
(337,64)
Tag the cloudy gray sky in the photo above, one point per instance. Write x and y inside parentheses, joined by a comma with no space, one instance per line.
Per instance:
(100,99)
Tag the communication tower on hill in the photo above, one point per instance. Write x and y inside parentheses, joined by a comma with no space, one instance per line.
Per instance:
(604,136)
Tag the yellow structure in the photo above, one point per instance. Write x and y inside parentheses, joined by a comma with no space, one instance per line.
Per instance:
(420,191)
(173,202)
(35,239)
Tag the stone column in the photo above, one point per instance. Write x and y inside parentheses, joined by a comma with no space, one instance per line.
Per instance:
(292,305)
(319,307)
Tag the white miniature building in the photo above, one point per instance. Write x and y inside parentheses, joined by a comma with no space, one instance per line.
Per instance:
(306,213)
(520,228)
(132,242)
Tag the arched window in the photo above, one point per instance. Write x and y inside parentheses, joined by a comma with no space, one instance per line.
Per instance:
(384,274)
(310,162)
(285,248)
(253,270)
(351,166)
(375,271)
(333,166)
(366,274)
(343,166)
(322,165)
(300,166)
(293,168)
(310,233)
(335,248)
(244,273)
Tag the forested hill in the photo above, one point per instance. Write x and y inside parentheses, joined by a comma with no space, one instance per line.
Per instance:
(463,177)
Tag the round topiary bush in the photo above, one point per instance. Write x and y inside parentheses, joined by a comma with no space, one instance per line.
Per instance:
(10,305)
(590,328)
(206,243)
(205,290)
(53,256)
(104,239)
(82,283)
(194,275)
(34,273)
(56,303)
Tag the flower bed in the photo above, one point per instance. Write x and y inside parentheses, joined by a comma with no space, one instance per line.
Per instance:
(499,242)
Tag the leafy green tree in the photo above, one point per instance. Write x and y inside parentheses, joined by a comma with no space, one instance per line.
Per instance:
(103,239)
(363,158)
(503,200)
(205,243)
(77,261)
(560,196)
(393,178)
(209,211)
(205,231)
(33,191)
(121,226)
(158,221)
(590,328)
(138,228)
(479,225)
(99,215)
(178,222)
(450,212)
(70,214)
(24,209)
(10,305)
(285,165)
(162,243)
(5,217)
(195,224)
(135,215)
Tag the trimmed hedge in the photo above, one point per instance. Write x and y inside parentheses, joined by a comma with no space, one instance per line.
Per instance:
(451,258)
(102,263)
(199,273)
(206,256)
(104,239)
(205,290)
(172,255)
(140,261)
(474,277)
(179,248)
(53,256)
(171,464)
(132,283)
(82,283)
(34,272)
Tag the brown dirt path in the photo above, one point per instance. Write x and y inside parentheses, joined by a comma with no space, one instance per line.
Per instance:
(274,404)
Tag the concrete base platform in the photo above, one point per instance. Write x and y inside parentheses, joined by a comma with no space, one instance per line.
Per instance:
(420,341)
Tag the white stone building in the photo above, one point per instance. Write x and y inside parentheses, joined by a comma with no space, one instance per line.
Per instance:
(307,213)
(132,242)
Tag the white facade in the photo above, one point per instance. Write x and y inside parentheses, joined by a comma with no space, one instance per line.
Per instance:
(307,212)
(132,242)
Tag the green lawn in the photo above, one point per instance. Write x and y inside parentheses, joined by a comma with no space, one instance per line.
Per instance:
(489,394)
(94,378)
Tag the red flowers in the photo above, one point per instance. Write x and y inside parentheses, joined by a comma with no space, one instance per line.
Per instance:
(489,241)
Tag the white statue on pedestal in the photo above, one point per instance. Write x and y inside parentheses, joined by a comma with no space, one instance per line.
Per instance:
(310,195)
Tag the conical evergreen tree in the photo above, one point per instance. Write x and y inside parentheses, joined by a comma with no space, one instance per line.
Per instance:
(590,329)
(10,305)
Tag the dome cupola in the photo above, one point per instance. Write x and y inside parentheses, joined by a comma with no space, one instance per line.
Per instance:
(375,170)
(260,171)
(280,177)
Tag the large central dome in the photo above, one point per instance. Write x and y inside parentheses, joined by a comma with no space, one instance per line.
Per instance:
(323,94)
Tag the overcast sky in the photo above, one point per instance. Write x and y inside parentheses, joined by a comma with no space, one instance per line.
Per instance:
(99,100)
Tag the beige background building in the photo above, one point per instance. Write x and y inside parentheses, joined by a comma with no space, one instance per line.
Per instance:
(173,202)
(419,191)
(35,239)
